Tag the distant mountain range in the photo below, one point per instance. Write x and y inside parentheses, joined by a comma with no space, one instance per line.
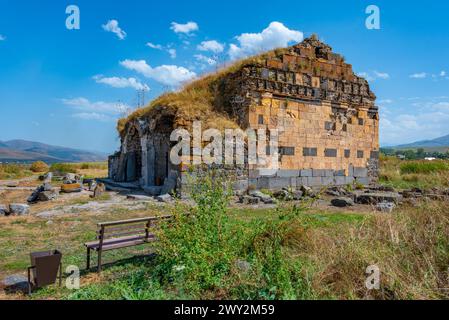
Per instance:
(29,151)
(442,142)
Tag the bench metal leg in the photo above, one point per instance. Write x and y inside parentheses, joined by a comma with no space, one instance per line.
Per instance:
(29,281)
(60,274)
(88,259)
(99,261)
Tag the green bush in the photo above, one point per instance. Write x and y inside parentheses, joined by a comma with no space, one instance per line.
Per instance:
(198,247)
(93,165)
(63,168)
(424,167)
(39,167)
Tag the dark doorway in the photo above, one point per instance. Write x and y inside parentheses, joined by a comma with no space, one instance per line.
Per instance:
(133,170)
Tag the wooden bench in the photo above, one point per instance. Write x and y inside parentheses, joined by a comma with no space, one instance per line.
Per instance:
(122,234)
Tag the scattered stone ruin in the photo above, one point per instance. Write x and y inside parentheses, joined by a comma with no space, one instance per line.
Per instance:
(326,117)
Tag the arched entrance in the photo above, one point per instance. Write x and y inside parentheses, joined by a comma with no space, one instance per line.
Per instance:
(159,146)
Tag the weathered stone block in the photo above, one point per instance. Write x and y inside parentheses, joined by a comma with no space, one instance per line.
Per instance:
(329,173)
(318,173)
(340,181)
(288,173)
(279,183)
(364,181)
(314,181)
(306,173)
(16,209)
(263,183)
(340,173)
(4,210)
(328,181)
(267,173)
(360,172)
(240,185)
(349,180)
(302,181)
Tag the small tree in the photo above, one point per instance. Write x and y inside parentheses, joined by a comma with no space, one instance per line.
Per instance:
(39,166)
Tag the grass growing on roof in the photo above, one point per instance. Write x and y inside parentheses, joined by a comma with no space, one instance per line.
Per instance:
(197,99)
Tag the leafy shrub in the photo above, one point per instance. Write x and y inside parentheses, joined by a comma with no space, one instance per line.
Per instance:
(424,167)
(200,251)
(93,165)
(197,248)
(63,168)
(39,166)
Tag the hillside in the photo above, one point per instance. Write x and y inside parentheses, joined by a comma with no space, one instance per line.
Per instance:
(442,142)
(29,151)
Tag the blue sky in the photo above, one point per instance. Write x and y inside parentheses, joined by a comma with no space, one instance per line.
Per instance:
(68,87)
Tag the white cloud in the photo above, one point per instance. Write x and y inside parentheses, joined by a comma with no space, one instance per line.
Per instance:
(420,75)
(170,75)
(423,121)
(117,82)
(443,73)
(372,76)
(92,116)
(276,35)
(172,53)
(441,106)
(382,75)
(186,28)
(112,26)
(385,101)
(83,104)
(2,38)
(155,46)
(204,59)
(212,45)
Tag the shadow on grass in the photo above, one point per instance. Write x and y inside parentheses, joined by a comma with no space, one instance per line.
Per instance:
(20,286)
(135,260)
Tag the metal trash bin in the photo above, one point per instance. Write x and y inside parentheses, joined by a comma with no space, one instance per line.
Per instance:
(44,269)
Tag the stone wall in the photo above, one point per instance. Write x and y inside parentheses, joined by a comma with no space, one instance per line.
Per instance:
(326,117)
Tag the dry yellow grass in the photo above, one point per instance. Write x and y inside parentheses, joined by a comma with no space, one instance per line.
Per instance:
(410,247)
(197,100)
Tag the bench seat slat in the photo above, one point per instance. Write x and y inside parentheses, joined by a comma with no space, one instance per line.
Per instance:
(118,243)
(123,234)
(125,228)
(123,222)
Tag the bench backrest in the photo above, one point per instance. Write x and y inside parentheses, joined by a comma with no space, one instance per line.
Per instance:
(128,228)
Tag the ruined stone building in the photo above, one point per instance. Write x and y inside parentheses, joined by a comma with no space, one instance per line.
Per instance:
(326,116)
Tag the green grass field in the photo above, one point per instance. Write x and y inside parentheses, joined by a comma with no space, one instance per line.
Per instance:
(292,252)
(411,174)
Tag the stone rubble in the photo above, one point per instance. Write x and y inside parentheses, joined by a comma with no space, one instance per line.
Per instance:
(166,198)
(386,207)
(43,193)
(265,198)
(18,209)
(4,210)
(342,202)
